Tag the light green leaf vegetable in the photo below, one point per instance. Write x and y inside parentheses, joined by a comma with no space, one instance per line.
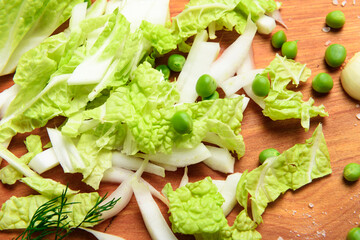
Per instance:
(25,24)
(241,192)
(256,8)
(159,37)
(16,213)
(243,228)
(205,11)
(196,209)
(34,71)
(226,15)
(237,18)
(282,71)
(288,104)
(292,169)
(232,20)
(42,185)
(95,147)
(281,103)
(46,187)
(146,107)
(103,51)
(54,60)
(10,175)
(135,47)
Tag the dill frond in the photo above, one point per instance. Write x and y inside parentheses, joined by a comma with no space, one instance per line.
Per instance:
(51,218)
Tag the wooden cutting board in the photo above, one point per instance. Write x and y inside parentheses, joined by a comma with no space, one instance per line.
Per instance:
(324,209)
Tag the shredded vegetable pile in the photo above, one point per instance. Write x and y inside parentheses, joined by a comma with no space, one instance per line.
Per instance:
(99,75)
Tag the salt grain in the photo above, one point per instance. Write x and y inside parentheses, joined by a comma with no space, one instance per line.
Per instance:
(280,238)
(327,43)
(358,116)
(311,205)
(326,29)
(322,233)
(335,2)
(343,3)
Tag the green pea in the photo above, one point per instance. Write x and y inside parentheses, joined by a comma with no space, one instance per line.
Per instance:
(289,49)
(335,55)
(335,19)
(352,172)
(213,96)
(164,69)
(265,154)
(322,83)
(261,85)
(353,234)
(206,85)
(182,122)
(278,39)
(176,62)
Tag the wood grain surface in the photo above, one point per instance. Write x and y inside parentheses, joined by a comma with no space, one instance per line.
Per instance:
(324,209)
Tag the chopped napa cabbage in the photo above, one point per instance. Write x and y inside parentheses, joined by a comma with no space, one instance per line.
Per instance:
(118,73)
(181,157)
(159,37)
(47,187)
(282,103)
(44,161)
(56,60)
(8,174)
(65,151)
(135,11)
(94,149)
(282,71)
(42,185)
(17,212)
(121,160)
(196,209)
(146,107)
(205,11)
(220,160)
(99,57)
(226,15)
(198,62)
(256,8)
(45,70)
(152,216)
(292,169)
(25,24)
(234,56)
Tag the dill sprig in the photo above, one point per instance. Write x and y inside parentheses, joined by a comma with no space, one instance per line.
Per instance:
(51,218)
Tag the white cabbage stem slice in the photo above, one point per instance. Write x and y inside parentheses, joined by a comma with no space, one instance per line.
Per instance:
(101,235)
(152,216)
(220,160)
